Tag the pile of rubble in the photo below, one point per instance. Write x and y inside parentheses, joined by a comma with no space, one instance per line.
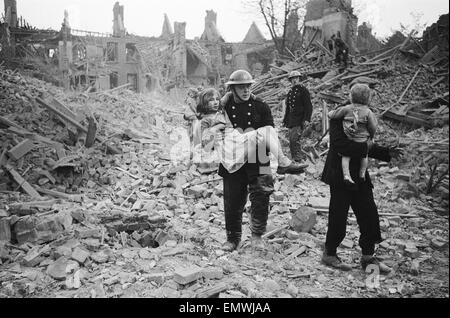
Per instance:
(411,90)
(92,205)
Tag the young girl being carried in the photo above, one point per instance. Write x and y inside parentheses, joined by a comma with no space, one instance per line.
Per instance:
(236,148)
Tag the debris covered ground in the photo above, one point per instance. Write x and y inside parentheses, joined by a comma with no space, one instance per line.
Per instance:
(99,209)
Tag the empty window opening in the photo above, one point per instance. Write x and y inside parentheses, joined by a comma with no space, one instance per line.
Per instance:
(131,52)
(132,79)
(112,52)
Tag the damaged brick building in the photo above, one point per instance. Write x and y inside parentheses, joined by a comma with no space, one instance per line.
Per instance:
(327,17)
(90,61)
(99,61)
(206,60)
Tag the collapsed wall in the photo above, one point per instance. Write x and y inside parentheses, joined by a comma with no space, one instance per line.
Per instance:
(325,18)
(437,34)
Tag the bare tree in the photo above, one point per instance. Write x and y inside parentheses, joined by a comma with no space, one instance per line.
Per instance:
(275,14)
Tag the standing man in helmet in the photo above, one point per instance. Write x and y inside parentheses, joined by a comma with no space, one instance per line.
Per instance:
(298,111)
(246,112)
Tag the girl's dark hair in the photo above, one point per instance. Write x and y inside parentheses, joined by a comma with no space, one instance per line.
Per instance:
(203,99)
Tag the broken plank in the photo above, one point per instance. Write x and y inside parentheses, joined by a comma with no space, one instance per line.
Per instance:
(46,174)
(361,74)
(124,171)
(297,252)
(34,204)
(187,185)
(56,194)
(2,155)
(21,149)
(325,210)
(332,98)
(278,68)
(438,81)
(408,119)
(23,183)
(214,291)
(61,107)
(330,80)
(26,134)
(273,232)
(323,48)
(429,56)
(115,89)
(74,122)
(384,53)
(299,275)
(8,123)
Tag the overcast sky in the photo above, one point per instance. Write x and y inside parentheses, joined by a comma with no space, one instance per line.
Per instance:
(145,17)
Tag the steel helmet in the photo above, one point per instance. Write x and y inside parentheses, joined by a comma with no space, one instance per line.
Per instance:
(240,77)
(294,74)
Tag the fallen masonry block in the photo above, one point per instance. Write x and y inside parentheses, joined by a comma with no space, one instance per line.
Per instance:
(212,273)
(319,202)
(120,226)
(26,236)
(86,233)
(278,196)
(78,215)
(25,207)
(438,243)
(49,224)
(80,255)
(100,257)
(24,230)
(61,268)
(347,243)
(92,244)
(184,276)
(5,230)
(304,220)
(196,191)
(157,277)
(292,235)
(4,253)
(404,177)
(157,219)
(64,218)
(62,251)
(34,256)
(147,240)
(162,237)
(21,149)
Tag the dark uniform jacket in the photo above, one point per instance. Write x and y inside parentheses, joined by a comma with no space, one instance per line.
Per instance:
(341,145)
(340,45)
(298,107)
(254,113)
